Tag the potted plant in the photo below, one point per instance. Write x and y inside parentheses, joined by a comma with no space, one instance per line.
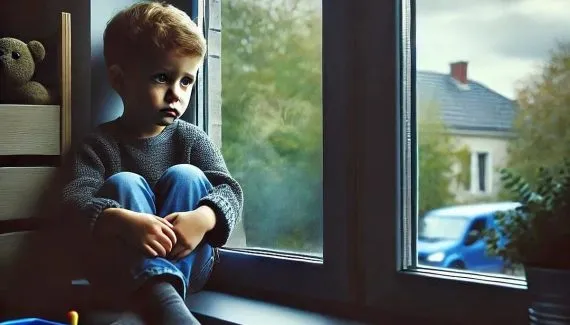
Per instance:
(536,235)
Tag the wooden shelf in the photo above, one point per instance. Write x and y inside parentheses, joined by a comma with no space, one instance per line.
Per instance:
(28,106)
(35,133)
(42,129)
(30,129)
(28,191)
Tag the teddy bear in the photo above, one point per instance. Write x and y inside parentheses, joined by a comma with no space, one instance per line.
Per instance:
(17,67)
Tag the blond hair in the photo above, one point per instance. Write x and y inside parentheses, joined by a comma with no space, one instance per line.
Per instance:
(150,26)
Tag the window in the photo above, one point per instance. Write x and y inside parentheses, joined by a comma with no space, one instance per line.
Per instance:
(272,121)
(445,52)
(280,127)
(482,170)
(485,89)
(478,225)
(384,62)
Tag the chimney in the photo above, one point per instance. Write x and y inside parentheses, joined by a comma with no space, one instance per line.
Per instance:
(459,71)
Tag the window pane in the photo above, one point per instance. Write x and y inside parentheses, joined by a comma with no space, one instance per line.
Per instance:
(272,120)
(493,91)
(482,165)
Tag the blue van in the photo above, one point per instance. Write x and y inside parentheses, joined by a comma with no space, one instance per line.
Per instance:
(451,237)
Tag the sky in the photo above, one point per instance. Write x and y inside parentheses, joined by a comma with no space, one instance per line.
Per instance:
(503,41)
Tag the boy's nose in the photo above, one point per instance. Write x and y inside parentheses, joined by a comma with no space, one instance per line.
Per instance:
(171,96)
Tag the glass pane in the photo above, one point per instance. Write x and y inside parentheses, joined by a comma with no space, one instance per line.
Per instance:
(272,121)
(493,91)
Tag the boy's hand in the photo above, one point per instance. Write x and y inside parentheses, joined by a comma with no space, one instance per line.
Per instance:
(190,228)
(154,235)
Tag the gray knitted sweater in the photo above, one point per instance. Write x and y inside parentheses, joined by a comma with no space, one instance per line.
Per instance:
(107,151)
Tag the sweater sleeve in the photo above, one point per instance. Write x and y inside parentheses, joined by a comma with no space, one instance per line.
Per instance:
(86,176)
(226,196)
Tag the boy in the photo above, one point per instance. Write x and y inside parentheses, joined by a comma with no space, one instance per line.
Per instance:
(152,191)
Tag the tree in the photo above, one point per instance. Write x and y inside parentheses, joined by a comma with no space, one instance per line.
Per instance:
(541,126)
(436,158)
(272,119)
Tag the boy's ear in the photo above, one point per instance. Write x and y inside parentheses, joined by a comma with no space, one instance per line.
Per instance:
(116,77)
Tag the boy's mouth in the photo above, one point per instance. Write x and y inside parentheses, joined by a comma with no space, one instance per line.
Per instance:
(170,112)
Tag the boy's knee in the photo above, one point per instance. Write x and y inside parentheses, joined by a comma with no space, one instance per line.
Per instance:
(124,179)
(185,172)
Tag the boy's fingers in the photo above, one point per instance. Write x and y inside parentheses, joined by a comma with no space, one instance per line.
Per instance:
(165,221)
(170,234)
(158,248)
(150,251)
(165,242)
(171,217)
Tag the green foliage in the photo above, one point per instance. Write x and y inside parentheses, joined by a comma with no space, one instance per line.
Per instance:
(538,232)
(463,155)
(541,125)
(436,157)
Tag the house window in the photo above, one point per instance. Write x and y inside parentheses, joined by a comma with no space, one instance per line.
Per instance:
(482,175)
(482,163)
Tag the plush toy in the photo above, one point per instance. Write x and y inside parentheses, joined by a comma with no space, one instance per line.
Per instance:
(17,67)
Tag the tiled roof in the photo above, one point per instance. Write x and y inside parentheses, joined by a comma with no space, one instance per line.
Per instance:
(474,107)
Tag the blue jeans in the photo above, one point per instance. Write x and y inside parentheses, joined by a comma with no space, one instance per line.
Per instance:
(122,267)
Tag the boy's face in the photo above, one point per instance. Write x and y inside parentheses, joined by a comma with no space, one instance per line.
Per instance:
(157,88)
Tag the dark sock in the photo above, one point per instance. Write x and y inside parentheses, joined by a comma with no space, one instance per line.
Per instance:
(158,303)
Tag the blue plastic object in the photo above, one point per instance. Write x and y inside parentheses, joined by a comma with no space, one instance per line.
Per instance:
(30,321)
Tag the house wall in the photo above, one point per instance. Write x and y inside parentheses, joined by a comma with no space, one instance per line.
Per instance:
(496,148)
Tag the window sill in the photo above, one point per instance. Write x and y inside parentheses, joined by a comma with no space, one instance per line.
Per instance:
(212,307)
(516,284)
(220,308)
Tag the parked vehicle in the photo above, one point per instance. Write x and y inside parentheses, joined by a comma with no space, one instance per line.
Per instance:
(452,237)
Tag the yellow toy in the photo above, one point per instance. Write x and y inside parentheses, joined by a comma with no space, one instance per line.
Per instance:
(73,317)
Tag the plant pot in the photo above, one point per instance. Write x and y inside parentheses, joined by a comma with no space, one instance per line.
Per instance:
(549,290)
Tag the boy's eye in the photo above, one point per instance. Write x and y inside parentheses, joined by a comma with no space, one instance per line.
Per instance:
(160,78)
(186,81)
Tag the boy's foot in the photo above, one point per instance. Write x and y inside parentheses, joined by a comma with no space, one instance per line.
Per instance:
(160,303)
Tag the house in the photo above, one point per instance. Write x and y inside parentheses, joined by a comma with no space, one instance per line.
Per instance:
(479,120)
